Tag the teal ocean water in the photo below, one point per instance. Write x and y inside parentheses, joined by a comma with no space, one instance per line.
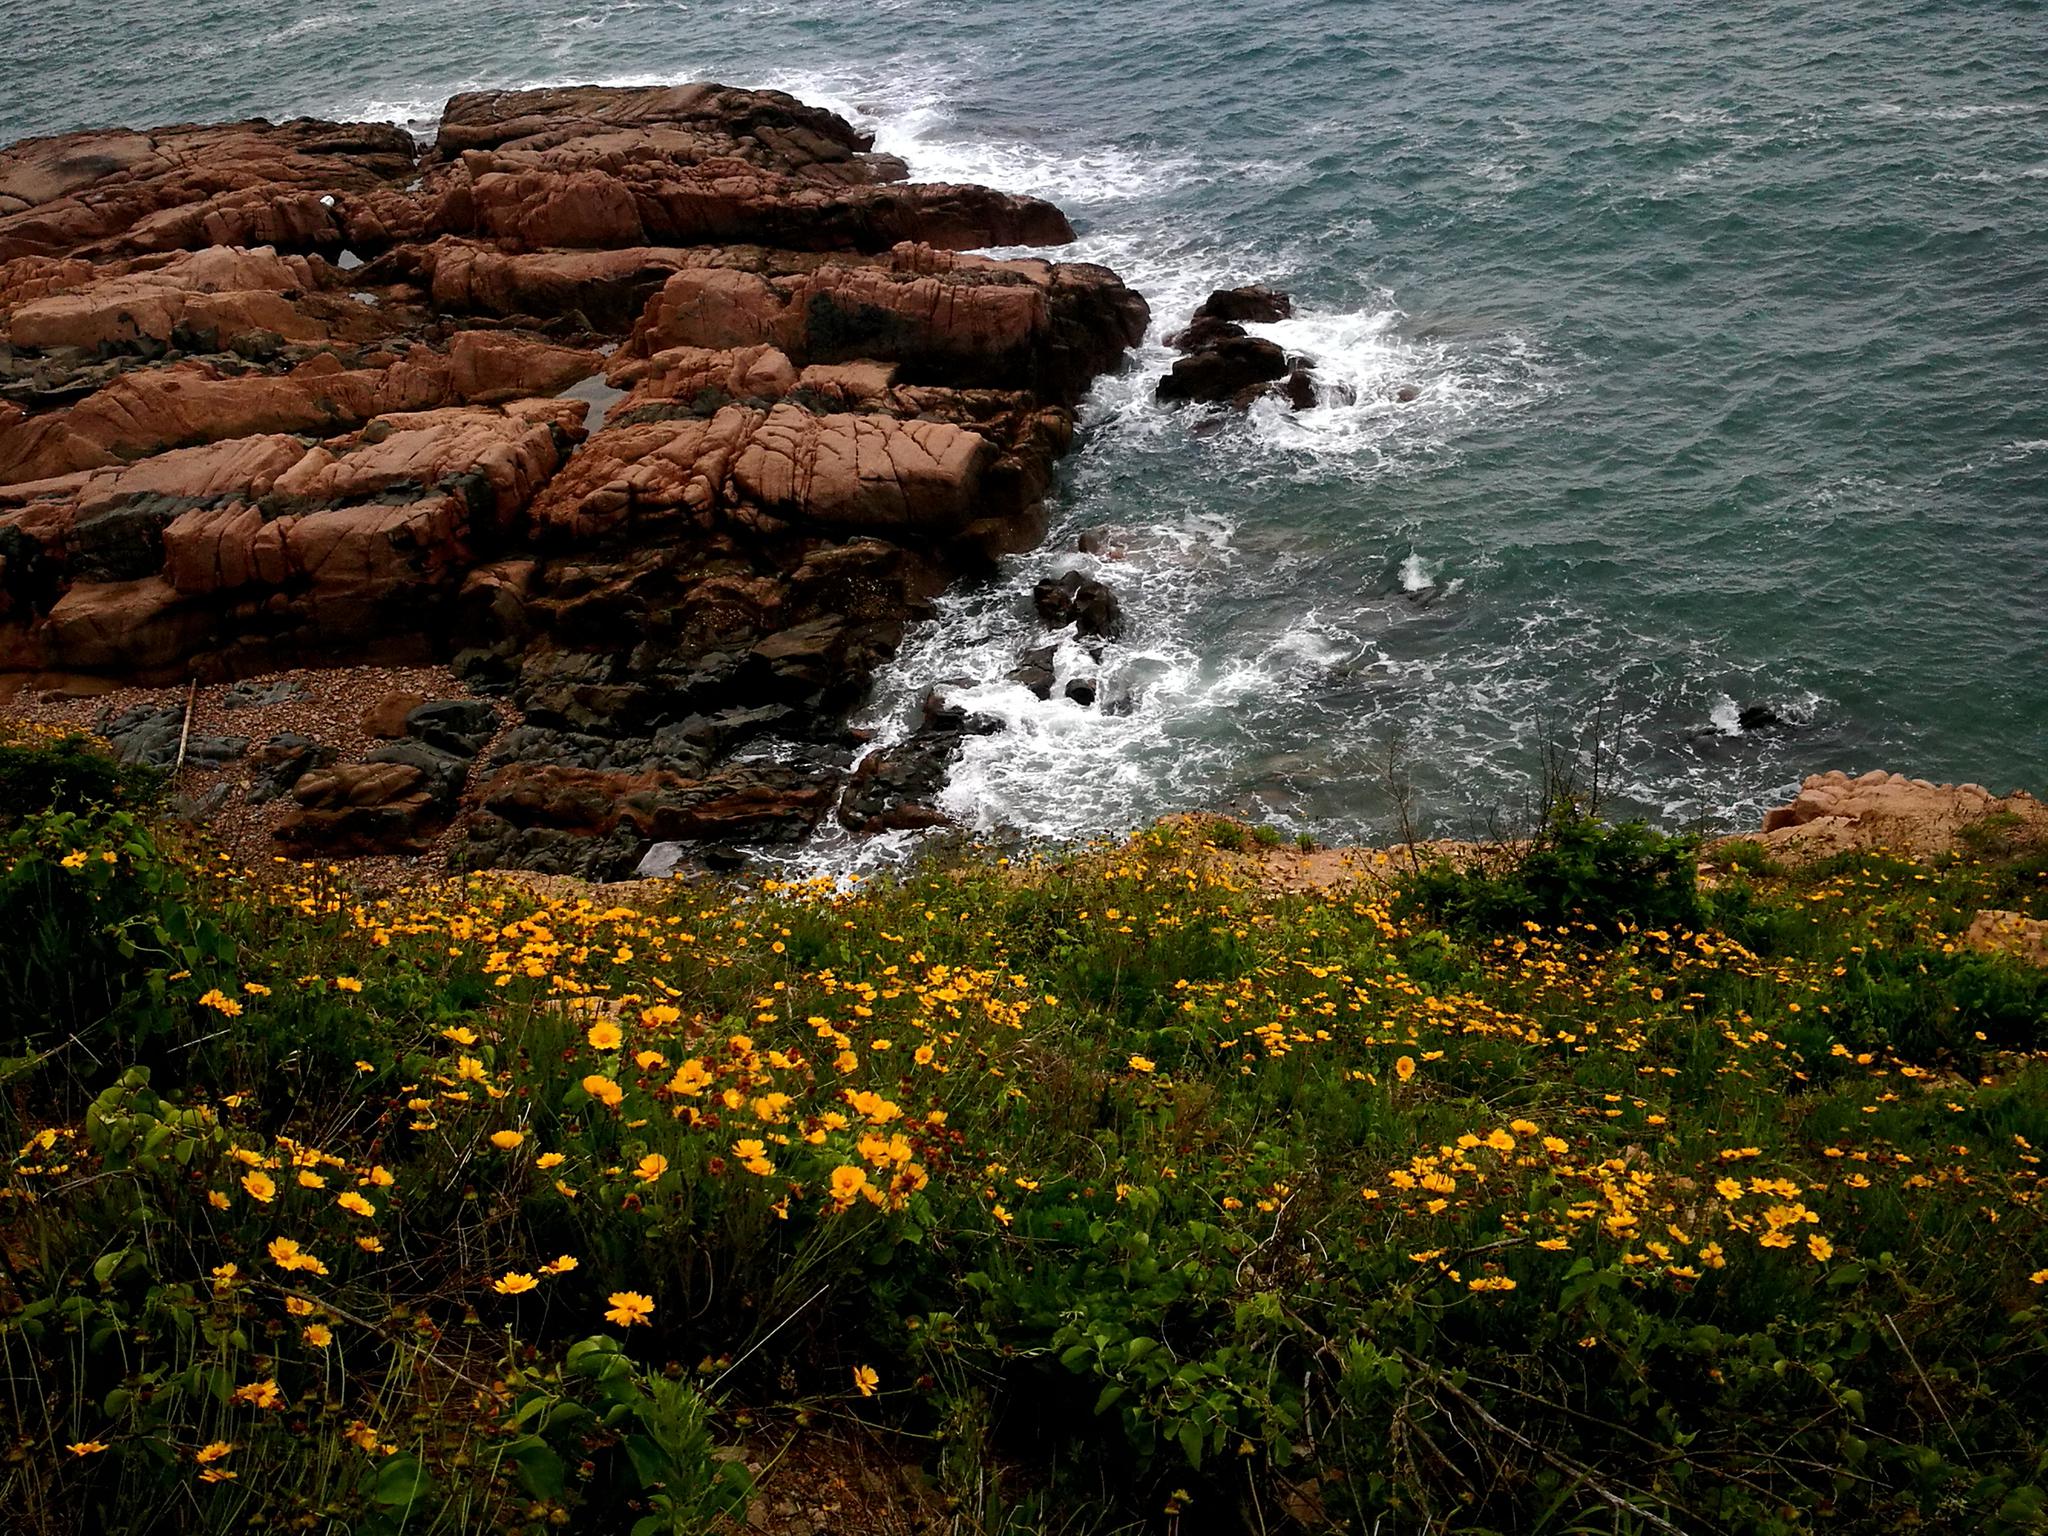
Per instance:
(1728,327)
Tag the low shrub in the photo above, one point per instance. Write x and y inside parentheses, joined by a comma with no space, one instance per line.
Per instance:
(1577,870)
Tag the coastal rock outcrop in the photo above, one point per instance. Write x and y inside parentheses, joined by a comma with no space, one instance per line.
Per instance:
(1224,364)
(1835,813)
(660,412)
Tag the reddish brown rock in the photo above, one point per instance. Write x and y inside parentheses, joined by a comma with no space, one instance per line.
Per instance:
(53,510)
(608,288)
(687,373)
(743,802)
(363,808)
(691,165)
(385,719)
(119,192)
(500,457)
(149,411)
(220,293)
(141,628)
(226,446)
(866,474)
(944,318)
(1911,818)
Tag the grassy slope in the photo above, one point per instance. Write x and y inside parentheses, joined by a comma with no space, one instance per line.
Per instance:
(1185,1205)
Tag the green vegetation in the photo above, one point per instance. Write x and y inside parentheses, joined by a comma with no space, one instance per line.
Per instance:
(1559,1197)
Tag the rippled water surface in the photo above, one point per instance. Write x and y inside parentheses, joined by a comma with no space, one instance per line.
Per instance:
(1728,327)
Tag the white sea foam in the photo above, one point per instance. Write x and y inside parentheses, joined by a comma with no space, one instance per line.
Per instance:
(305,26)
(911,115)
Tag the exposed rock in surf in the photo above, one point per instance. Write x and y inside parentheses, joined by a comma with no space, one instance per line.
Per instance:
(1252,304)
(1035,671)
(1223,370)
(282,395)
(1089,605)
(1205,332)
(896,788)
(1224,364)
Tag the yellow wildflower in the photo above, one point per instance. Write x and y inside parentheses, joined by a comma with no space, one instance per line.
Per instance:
(628,1308)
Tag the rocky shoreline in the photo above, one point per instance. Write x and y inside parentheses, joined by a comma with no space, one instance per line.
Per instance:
(655,415)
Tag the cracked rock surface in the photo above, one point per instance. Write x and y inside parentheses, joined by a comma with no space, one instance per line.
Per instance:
(277,396)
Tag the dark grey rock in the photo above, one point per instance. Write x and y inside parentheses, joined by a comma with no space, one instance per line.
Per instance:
(461,727)
(444,771)
(256,694)
(123,544)
(146,734)
(1089,605)
(282,761)
(202,806)
(1035,670)
(213,751)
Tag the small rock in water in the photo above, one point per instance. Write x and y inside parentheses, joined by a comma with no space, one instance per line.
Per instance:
(1089,605)
(1035,671)
(1223,371)
(1253,304)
